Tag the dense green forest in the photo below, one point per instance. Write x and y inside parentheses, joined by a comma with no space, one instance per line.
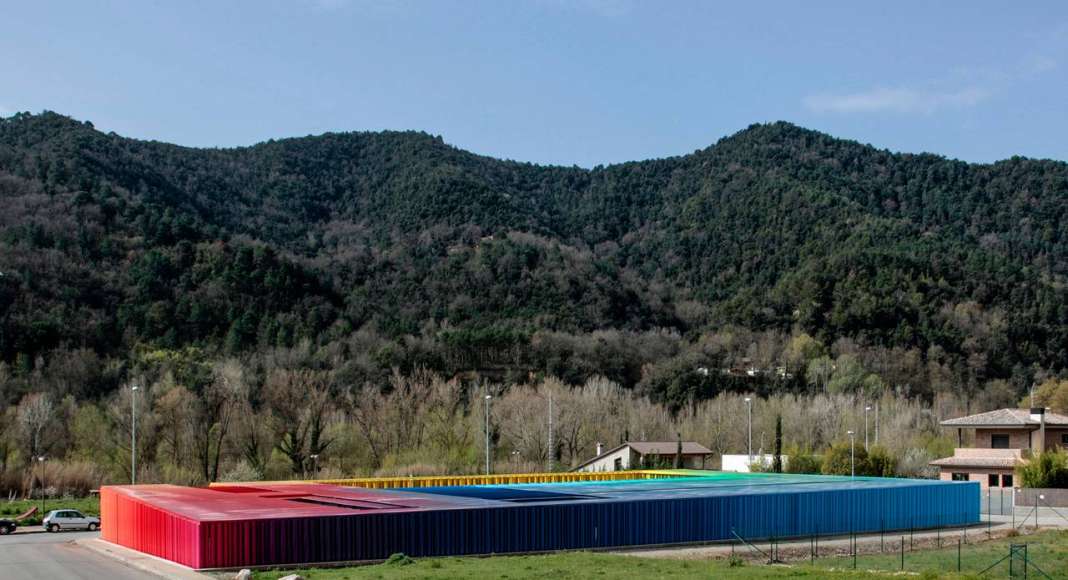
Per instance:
(777,259)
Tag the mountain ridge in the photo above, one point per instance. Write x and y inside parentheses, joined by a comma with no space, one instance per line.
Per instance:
(758,128)
(773,227)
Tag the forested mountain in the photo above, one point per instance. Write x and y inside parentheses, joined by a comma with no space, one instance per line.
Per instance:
(410,252)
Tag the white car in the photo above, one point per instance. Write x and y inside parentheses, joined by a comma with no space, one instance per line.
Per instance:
(57,520)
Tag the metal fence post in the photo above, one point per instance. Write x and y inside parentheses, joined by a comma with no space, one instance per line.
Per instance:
(882,535)
(1036,515)
(958,555)
(902,551)
(854,551)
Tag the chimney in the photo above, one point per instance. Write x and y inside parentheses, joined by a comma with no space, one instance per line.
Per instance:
(600,449)
(1039,414)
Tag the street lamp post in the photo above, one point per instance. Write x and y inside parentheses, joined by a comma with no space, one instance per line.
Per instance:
(866,409)
(487,399)
(551,443)
(749,414)
(315,463)
(40,480)
(515,461)
(133,433)
(876,422)
(852,453)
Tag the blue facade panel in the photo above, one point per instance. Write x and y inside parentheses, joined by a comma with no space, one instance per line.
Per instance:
(656,515)
(562,516)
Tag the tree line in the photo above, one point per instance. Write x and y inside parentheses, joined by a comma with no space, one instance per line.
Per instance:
(294,413)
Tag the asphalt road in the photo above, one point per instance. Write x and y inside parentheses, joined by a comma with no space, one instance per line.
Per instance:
(30,556)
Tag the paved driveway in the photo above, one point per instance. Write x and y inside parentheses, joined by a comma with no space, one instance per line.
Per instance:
(32,556)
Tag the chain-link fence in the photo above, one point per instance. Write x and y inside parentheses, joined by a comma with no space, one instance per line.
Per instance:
(997,501)
(980,549)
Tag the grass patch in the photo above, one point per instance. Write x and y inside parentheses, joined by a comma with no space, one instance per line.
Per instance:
(1047,549)
(568,566)
(86,505)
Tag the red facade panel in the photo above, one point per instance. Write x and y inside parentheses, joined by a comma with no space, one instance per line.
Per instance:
(130,522)
(275,524)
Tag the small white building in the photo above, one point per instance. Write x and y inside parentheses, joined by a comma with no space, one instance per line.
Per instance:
(647,455)
(741,463)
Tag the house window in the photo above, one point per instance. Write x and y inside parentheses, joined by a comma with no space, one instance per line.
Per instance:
(999,441)
(992,480)
(960,477)
(618,465)
(1064,440)
(1006,480)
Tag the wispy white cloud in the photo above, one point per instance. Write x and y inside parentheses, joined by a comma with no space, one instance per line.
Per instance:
(1038,64)
(327,5)
(962,87)
(605,8)
(895,100)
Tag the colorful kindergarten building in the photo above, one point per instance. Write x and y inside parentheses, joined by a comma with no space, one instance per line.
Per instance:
(276,523)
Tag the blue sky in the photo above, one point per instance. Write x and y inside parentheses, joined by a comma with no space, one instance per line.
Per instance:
(551,81)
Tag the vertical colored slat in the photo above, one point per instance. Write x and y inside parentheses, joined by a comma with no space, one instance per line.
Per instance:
(504,527)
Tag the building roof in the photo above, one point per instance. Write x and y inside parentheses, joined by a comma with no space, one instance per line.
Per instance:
(667,447)
(256,501)
(1019,418)
(653,448)
(985,462)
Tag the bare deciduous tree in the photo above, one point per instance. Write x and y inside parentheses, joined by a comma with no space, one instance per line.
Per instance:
(299,401)
(34,415)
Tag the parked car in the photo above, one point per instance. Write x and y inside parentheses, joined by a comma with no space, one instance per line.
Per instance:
(7,526)
(57,520)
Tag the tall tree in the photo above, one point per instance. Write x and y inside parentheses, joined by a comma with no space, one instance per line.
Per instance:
(776,462)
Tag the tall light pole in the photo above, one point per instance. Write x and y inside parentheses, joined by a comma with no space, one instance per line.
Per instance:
(852,453)
(315,463)
(749,414)
(40,461)
(552,450)
(876,422)
(133,433)
(487,400)
(866,409)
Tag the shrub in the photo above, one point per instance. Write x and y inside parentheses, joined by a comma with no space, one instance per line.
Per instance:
(881,463)
(801,460)
(241,471)
(916,462)
(399,559)
(60,478)
(838,460)
(758,465)
(1047,469)
(411,470)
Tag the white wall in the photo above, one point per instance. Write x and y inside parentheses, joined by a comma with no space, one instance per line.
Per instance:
(740,463)
(607,461)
